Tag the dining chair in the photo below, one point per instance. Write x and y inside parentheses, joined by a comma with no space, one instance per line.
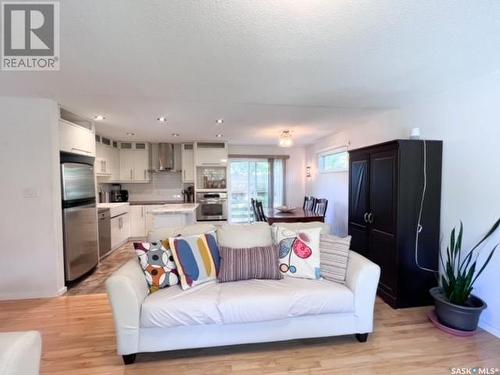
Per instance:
(320,206)
(260,211)
(254,209)
(309,203)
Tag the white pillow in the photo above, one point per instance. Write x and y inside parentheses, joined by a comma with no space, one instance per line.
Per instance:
(299,252)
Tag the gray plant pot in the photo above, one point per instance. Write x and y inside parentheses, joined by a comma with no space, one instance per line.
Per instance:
(463,318)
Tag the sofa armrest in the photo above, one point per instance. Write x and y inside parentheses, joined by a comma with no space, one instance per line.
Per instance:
(127,288)
(362,278)
(20,353)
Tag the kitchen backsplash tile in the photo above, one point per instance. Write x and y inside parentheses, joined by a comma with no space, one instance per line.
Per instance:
(163,186)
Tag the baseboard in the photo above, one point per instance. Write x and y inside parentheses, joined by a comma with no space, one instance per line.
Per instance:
(32,295)
(489,328)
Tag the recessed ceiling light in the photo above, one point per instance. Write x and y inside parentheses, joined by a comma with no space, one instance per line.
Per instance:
(130,133)
(162,119)
(219,135)
(99,118)
(219,121)
(175,134)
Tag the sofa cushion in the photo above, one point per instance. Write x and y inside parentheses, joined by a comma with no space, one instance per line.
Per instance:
(245,235)
(245,301)
(261,300)
(171,307)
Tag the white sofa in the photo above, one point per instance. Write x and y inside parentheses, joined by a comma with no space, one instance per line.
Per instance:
(20,353)
(251,311)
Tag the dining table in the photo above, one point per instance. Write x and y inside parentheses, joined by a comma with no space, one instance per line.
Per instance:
(298,215)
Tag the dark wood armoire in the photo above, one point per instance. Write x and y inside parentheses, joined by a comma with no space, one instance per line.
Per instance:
(386,182)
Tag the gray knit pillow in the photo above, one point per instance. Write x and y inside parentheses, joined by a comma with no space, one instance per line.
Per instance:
(248,263)
(334,254)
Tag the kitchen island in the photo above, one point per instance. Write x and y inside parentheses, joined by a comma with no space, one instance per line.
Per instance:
(174,215)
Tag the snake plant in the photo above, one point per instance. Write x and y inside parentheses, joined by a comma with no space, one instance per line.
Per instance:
(459,275)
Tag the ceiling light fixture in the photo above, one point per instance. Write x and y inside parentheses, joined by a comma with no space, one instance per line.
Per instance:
(175,134)
(130,133)
(286,139)
(99,118)
(219,135)
(219,121)
(162,119)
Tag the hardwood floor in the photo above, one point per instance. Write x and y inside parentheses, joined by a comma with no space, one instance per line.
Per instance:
(94,283)
(78,338)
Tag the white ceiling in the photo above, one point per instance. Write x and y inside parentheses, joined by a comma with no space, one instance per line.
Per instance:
(262,65)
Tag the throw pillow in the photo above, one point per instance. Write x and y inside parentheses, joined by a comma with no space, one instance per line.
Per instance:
(334,255)
(299,252)
(249,263)
(158,265)
(197,258)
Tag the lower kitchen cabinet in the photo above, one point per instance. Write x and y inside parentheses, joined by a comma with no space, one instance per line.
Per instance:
(137,221)
(120,230)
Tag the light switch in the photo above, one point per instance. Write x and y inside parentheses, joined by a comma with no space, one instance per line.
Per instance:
(30,193)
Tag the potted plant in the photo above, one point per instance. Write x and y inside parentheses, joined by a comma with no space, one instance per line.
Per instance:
(456,307)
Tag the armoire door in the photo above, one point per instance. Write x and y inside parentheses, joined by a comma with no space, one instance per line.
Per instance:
(382,216)
(358,201)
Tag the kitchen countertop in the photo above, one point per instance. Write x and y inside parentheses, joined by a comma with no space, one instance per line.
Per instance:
(112,205)
(145,203)
(176,208)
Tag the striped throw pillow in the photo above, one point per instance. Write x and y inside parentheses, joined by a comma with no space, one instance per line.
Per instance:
(334,255)
(248,263)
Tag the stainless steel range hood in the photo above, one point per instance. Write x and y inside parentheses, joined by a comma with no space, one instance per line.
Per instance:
(164,157)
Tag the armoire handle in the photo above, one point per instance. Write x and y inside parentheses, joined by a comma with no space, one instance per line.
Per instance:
(365,217)
(370,218)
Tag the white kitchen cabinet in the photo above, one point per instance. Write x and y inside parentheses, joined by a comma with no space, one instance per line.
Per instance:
(211,154)
(134,162)
(102,167)
(150,218)
(76,139)
(187,157)
(137,221)
(120,230)
(114,161)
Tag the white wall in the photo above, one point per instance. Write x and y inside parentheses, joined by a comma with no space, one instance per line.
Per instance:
(295,167)
(31,225)
(467,119)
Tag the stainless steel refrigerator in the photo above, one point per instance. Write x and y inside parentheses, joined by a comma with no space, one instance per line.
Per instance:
(79,215)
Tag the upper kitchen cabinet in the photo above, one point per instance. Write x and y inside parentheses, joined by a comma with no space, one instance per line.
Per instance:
(76,134)
(211,153)
(107,162)
(187,163)
(135,162)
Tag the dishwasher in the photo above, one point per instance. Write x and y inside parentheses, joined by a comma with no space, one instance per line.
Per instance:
(104,232)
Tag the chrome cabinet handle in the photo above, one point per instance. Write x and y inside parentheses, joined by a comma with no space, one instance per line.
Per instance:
(365,217)
(131,174)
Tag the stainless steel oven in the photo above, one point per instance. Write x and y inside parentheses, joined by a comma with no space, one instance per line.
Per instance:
(212,206)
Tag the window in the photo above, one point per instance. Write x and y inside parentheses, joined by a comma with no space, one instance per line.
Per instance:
(334,161)
(261,179)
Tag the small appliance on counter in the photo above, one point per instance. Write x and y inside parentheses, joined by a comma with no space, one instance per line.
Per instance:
(188,194)
(118,194)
